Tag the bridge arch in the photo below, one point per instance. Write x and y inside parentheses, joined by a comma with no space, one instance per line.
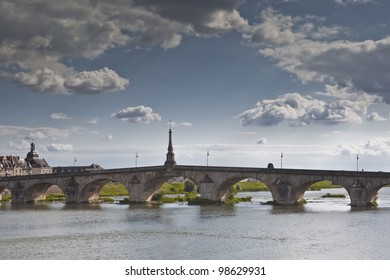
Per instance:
(374,193)
(37,191)
(4,190)
(143,189)
(224,188)
(90,192)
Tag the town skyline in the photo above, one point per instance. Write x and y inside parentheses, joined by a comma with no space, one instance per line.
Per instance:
(241,81)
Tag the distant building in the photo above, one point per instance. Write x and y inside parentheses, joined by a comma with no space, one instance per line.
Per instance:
(13,166)
(67,169)
(35,164)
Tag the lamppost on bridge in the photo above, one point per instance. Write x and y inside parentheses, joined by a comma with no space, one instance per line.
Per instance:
(136,160)
(357,162)
(281,160)
(208,154)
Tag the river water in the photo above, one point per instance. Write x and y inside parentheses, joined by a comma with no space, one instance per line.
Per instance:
(325,229)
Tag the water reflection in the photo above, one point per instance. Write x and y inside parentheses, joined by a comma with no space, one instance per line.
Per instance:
(283,209)
(177,231)
(81,206)
(210,212)
(26,206)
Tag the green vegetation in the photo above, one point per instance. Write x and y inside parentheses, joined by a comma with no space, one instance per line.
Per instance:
(373,201)
(250,187)
(329,195)
(202,201)
(108,190)
(51,197)
(234,199)
(171,188)
(323,185)
(5,198)
(183,191)
(107,199)
(302,201)
(113,189)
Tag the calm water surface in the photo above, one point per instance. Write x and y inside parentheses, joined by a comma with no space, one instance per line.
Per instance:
(321,229)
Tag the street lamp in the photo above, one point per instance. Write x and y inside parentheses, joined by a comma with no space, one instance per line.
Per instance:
(281,160)
(208,154)
(357,162)
(136,159)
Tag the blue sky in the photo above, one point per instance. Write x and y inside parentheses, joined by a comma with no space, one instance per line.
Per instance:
(247,80)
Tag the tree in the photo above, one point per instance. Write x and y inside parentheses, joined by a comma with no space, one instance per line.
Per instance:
(189,186)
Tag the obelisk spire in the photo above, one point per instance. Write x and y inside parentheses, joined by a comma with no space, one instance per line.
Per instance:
(170,162)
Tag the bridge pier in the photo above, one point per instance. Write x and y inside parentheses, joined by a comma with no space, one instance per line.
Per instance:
(70,190)
(207,191)
(285,193)
(136,193)
(17,193)
(360,195)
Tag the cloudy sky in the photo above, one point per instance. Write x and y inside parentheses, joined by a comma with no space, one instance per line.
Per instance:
(247,80)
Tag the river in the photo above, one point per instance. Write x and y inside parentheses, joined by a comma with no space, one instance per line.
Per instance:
(324,229)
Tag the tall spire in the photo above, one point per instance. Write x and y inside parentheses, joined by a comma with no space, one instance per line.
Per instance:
(170,162)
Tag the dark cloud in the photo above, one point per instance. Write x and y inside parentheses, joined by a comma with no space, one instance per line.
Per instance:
(203,16)
(37,36)
(365,65)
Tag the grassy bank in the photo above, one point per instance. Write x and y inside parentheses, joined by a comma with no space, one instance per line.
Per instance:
(323,185)
(113,189)
(52,197)
(6,198)
(250,187)
(329,195)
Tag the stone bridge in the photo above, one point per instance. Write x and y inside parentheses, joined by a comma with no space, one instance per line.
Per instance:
(287,186)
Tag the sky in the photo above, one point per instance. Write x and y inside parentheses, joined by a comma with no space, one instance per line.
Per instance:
(92,81)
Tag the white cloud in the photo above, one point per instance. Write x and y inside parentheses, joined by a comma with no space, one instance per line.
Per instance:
(248,133)
(274,29)
(139,114)
(108,137)
(345,2)
(59,148)
(93,121)
(35,135)
(173,124)
(21,145)
(86,82)
(59,116)
(45,80)
(373,147)
(302,110)
(49,132)
(185,124)
(375,117)
(92,82)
